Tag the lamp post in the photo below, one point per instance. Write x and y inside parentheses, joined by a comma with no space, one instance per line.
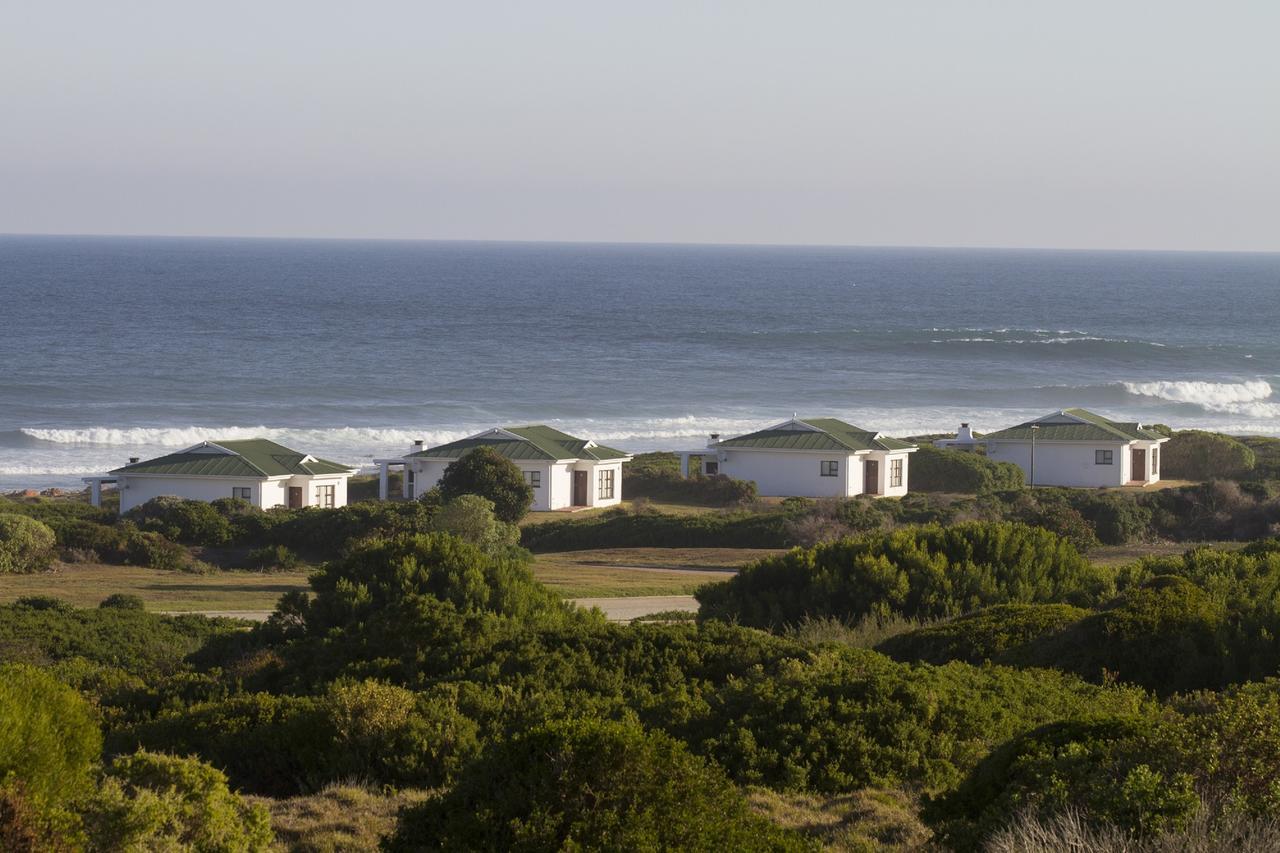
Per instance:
(1035,428)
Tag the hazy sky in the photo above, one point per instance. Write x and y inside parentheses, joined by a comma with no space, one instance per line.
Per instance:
(1019,123)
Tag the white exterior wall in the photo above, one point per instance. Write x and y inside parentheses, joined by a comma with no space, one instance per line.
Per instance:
(593,482)
(885,459)
(791,473)
(137,489)
(311,485)
(1066,463)
(273,493)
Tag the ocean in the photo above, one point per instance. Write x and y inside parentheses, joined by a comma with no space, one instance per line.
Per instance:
(119,347)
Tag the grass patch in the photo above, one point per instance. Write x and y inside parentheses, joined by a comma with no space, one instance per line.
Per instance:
(666,508)
(86,584)
(867,820)
(620,572)
(1119,555)
(339,819)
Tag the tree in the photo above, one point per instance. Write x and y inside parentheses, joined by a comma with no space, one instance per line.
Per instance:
(49,739)
(485,473)
(471,518)
(26,545)
(1197,455)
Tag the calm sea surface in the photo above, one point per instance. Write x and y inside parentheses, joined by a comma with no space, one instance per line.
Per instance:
(118,347)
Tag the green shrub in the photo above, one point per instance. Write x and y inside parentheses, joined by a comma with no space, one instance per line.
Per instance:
(1198,455)
(26,545)
(923,572)
(936,470)
(49,738)
(618,528)
(162,802)
(153,550)
(190,522)
(484,472)
(983,635)
(471,518)
(273,558)
(122,601)
(666,484)
(589,785)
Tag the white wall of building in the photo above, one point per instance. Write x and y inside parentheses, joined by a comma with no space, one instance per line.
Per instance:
(791,473)
(593,482)
(137,489)
(1066,463)
(884,473)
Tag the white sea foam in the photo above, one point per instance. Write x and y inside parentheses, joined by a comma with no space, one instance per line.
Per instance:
(1251,398)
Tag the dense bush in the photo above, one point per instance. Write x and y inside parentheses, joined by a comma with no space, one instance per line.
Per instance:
(934,470)
(1197,455)
(927,572)
(484,472)
(472,519)
(983,635)
(162,802)
(154,550)
(327,533)
(272,558)
(26,545)
(49,737)
(122,601)
(621,529)
(656,476)
(179,520)
(589,785)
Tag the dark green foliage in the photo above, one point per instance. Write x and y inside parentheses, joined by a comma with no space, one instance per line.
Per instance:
(26,545)
(983,635)
(153,550)
(935,470)
(49,736)
(272,558)
(1197,455)
(122,601)
(187,521)
(621,529)
(326,533)
(923,572)
(485,473)
(657,476)
(589,785)
(1266,451)
(142,642)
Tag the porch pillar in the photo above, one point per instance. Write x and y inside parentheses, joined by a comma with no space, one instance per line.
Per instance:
(95,492)
(383,486)
(684,465)
(404,484)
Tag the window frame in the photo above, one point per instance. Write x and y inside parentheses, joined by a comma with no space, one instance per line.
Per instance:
(711,468)
(533,479)
(896,468)
(236,492)
(327,496)
(1155,461)
(1104,457)
(606,486)
(829,468)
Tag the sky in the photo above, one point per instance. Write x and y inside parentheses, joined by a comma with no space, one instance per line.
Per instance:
(1017,123)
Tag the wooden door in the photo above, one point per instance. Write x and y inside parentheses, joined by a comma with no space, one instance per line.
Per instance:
(871,477)
(1139,471)
(579,488)
(295,497)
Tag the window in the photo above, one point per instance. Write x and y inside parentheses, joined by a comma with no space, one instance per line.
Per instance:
(324,496)
(712,468)
(534,479)
(1155,462)
(242,492)
(1104,457)
(829,468)
(606,485)
(895,473)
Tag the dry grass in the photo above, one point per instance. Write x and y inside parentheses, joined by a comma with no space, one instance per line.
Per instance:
(667,508)
(1119,555)
(866,633)
(1072,831)
(340,818)
(867,820)
(86,584)
(640,571)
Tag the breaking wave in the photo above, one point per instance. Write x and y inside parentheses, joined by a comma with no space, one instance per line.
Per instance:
(1252,398)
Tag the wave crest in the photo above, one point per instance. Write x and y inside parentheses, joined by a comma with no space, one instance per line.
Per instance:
(1236,398)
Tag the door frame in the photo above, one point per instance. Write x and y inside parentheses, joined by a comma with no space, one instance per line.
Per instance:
(581,487)
(295,490)
(1138,454)
(871,484)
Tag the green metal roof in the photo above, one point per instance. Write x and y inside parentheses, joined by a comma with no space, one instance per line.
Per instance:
(816,434)
(255,458)
(526,444)
(1076,425)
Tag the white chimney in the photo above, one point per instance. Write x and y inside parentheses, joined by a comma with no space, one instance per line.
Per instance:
(417,446)
(711,442)
(964,434)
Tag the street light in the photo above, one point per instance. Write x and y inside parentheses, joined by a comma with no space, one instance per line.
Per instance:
(1035,428)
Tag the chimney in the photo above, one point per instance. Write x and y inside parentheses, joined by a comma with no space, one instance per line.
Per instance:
(715,436)
(964,433)
(133,460)
(417,445)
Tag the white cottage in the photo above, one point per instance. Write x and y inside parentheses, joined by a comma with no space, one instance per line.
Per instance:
(1076,447)
(564,471)
(261,472)
(814,458)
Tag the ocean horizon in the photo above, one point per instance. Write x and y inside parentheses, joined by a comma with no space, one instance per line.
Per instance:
(350,349)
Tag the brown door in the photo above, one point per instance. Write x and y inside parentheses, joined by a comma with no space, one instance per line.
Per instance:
(579,488)
(871,477)
(1139,465)
(295,497)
